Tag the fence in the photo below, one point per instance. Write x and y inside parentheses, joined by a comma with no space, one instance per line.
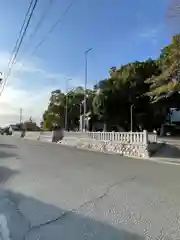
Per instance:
(29,134)
(123,137)
(46,136)
(152,137)
(34,135)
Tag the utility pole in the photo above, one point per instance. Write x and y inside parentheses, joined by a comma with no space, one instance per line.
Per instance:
(20,116)
(85,87)
(66,107)
(20,119)
(80,117)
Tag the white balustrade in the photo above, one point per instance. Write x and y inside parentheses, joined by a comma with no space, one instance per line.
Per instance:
(152,137)
(123,137)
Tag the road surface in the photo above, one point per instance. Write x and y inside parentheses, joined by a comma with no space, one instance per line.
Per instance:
(54,192)
(170,140)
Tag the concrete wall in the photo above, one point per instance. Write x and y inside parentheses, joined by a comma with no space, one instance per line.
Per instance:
(126,144)
(124,149)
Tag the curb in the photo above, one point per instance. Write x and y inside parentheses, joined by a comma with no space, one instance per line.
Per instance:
(151,158)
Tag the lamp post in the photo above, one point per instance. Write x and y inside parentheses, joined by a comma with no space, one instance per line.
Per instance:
(66,106)
(80,117)
(20,117)
(85,87)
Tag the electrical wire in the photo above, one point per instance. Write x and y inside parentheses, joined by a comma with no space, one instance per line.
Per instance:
(40,43)
(39,24)
(25,30)
(12,61)
(42,18)
(54,26)
(20,33)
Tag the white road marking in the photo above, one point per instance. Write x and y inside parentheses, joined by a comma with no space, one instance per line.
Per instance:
(4,230)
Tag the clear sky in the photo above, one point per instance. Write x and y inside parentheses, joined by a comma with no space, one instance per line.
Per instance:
(118,31)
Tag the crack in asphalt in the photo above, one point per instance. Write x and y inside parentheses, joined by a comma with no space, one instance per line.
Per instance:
(67,213)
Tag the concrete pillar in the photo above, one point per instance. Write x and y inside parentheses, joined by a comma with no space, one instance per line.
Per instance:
(57,135)
(81,123)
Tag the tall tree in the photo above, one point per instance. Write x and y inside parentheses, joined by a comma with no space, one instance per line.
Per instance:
(168,79)
(148,88)
(54,115)
(125,87)
(164,87)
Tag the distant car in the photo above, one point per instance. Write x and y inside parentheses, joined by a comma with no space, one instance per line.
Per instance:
(172,130)
(6,131)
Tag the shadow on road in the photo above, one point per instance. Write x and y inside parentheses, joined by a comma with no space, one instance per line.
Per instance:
(37,220)
(7,146)
(5,154)
(168,151)
(6,174)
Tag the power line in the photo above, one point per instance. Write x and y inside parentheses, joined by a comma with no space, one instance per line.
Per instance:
(54,26)
(25,30)
(39,24)
(12,61)
(43,16)
(43,40)
(20,33)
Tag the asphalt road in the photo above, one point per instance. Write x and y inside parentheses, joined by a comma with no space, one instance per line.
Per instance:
(54,192)
(170,139)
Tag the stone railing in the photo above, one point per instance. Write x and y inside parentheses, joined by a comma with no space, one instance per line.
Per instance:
(137,144)
(124,143)
(121,137)
(35,135)
(152,137)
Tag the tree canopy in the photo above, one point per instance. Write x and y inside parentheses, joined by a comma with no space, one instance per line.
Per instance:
(148,87)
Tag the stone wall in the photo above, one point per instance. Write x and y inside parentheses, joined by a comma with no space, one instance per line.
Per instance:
(124,149)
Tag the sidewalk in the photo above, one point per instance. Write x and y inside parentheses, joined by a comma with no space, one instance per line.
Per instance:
(168,153)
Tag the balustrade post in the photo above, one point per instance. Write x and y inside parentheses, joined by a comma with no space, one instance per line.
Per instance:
(145,133)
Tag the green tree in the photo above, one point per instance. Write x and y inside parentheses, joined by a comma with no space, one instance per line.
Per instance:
(54,115)
(164,87)
(125,86)
(168,80)
(148,87)
(75,106)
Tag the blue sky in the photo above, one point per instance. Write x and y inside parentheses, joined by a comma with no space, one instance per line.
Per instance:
(118,31)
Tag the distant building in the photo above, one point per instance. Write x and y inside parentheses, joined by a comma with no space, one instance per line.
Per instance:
(15,127)
(174,116)
(31,126)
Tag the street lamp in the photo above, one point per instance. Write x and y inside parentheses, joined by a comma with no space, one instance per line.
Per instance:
(66,106)
(80,117)
(85,86)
